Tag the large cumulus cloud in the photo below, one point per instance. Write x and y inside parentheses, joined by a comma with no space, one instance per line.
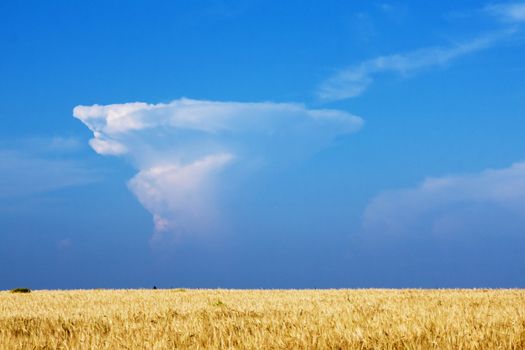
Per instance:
(181,147)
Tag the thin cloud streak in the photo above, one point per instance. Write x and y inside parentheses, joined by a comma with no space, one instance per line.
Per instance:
(28,173)
(509,12)
(23,175)
(353,81)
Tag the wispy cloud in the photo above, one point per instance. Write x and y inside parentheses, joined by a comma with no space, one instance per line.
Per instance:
(451,205)
(507,12)
(353,81)
(463,230)
(44,145)
(181,147)
(38,165)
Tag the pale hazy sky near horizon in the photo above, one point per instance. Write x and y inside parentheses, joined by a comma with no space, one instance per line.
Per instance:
(262,144)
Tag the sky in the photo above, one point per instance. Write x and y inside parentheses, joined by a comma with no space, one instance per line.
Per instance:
(262,144)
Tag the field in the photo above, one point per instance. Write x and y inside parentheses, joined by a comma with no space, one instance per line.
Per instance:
(258,319)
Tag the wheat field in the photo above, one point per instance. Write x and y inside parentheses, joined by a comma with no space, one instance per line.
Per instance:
(263,319)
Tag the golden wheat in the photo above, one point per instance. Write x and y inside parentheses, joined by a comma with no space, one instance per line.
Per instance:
(263,319)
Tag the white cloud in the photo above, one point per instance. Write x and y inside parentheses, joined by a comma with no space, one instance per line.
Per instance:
(107,147)
(179,196)
(508,12)
(180,147)
(450,205)
(353,81)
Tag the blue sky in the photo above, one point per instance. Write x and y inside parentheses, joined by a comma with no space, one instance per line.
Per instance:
(262,144)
